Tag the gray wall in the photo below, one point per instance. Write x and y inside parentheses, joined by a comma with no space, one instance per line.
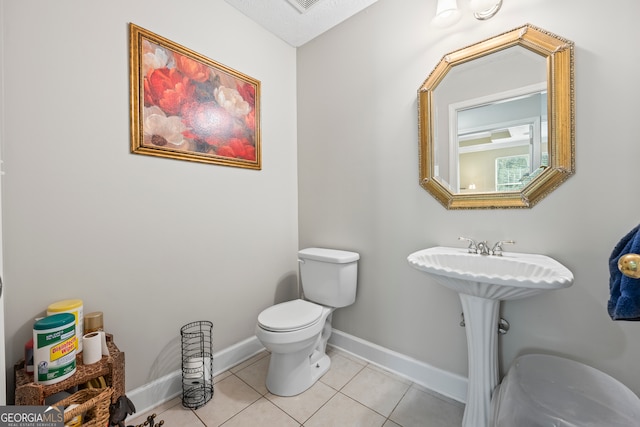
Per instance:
(153,243)
(358,181)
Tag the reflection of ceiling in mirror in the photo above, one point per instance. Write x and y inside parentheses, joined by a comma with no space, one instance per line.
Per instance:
(500,71)
(486,116)
(509,134)
(513,53)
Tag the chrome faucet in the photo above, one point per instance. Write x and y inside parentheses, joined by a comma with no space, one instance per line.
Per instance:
(482,248)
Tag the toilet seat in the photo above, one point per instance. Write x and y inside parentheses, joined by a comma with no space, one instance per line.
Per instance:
(290,316)
(546,390)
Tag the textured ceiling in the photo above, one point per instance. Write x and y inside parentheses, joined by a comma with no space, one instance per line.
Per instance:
(285,21)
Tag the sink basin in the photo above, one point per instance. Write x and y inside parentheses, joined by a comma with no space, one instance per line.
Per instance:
(510,276)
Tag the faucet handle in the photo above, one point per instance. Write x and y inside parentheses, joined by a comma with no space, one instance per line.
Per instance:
(497,248)
(473,248)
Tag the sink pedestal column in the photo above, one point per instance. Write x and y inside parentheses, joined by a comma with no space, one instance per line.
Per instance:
(481,317)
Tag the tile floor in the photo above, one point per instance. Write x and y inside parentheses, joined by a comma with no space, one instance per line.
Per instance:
(352,393)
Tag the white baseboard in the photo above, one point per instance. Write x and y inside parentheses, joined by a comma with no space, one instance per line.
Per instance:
(445,383)
(442,382)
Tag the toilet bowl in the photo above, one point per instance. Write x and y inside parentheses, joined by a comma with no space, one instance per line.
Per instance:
(296,332)
(544,390)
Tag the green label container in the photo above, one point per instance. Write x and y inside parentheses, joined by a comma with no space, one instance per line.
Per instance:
(54,348)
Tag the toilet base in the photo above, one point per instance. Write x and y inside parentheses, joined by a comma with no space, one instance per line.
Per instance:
(292,373)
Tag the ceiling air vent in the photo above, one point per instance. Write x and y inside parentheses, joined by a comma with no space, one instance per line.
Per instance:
(302,5)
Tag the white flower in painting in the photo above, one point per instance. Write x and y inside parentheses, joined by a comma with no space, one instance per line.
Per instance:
(232,101)
(160,130)
(153,57)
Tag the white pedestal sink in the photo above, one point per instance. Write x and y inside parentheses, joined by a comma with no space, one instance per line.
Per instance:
(482,281)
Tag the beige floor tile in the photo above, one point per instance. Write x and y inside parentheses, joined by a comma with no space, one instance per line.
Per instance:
(342,411)
(419,409)
(333,350)
(342,370)
(171,412)
(390,423)
(250,361)
(304,405)
(264,414)
(139,418)
(230,396)
(179,416)
(389,373)
(256,375)
(378,390)
(438,395)
(221,376)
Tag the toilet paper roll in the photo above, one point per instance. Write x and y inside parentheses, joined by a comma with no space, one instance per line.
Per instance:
(94,347)
(196,370)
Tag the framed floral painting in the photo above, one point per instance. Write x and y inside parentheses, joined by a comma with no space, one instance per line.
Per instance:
(188,107)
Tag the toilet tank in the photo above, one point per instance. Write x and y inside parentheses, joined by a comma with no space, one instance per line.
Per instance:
(329,276)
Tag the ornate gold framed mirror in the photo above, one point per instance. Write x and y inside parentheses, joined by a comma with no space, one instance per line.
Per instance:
(496,121)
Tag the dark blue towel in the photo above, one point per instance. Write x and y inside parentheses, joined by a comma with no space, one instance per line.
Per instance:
(624,302)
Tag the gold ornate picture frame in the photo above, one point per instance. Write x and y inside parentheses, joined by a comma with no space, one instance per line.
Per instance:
(188,107)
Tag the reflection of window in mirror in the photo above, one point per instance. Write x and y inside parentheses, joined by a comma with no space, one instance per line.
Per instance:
(510,172)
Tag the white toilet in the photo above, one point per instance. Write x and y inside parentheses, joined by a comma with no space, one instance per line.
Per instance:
(544,390)
(296,332)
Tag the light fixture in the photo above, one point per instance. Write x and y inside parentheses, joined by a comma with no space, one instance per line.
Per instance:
(447,12)
(485,9)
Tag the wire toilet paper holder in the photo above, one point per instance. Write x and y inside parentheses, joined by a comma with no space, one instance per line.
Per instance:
(197,363)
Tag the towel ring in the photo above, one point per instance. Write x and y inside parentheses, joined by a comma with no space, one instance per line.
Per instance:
(629,265)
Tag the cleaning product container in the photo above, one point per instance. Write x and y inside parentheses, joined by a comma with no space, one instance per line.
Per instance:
(197,363)
(54,348)
(75,307)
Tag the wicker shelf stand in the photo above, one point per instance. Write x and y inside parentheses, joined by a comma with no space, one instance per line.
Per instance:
(110,367)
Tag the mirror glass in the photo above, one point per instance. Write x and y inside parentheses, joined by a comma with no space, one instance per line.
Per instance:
(487,139)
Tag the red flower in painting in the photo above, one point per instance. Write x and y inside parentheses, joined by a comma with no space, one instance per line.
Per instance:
(207,122)
(167,88)
(194,70)
(239,149)
(250,120)
(248,93)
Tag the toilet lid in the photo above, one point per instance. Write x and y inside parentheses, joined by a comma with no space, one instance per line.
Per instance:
(290,316)
(552,390)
